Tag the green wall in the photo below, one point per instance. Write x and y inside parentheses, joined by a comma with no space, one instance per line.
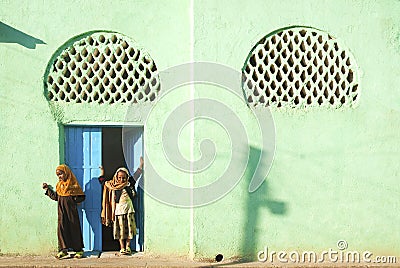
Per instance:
(31,143)
(335,172)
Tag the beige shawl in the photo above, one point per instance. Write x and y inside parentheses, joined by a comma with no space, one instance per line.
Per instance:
(108,203)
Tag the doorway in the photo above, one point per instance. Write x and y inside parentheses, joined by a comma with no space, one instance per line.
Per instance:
(86,148)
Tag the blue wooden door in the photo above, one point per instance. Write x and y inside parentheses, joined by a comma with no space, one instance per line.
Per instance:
(133,150)
(83,156)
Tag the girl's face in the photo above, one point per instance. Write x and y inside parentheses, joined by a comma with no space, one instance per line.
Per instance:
(121,176)
(61,175)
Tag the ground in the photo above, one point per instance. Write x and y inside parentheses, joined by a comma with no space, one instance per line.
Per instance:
(111,259)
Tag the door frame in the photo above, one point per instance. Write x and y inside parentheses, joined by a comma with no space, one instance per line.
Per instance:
(139,238)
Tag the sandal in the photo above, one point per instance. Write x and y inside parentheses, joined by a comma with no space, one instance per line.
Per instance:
(62,255)
(78,254)
(128,250)
(122,251)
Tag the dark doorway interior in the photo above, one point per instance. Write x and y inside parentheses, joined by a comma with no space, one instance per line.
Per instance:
(112,159)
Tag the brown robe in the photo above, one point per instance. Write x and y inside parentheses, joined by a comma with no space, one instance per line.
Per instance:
(69,231)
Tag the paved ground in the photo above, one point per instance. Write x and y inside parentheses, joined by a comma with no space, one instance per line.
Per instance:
(112,259)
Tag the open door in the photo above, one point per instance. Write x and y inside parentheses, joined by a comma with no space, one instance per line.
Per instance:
(86,148)
(133,149)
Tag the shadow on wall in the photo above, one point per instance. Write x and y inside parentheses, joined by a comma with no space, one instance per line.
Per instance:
(255,202)
(92,216)
(9,34)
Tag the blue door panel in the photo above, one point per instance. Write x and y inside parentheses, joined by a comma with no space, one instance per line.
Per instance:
(83,155)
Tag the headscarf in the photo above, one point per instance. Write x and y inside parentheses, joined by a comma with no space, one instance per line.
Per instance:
(69,187)
(108,203)
(115,183)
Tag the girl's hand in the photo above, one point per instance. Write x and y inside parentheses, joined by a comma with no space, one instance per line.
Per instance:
(45,186)
(101,170)
(141,162)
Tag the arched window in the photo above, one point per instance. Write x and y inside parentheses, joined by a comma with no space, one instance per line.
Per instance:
(300,67)
(104,68)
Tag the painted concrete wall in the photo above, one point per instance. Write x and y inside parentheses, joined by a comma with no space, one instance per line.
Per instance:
(32,135)
(335,172)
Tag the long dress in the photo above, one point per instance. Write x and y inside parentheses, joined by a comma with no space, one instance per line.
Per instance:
(69,231)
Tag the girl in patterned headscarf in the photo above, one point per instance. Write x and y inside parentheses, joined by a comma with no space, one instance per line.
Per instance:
(68,194)
(117,205)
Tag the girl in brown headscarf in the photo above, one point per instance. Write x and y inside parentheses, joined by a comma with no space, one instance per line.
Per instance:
(68,194)
(117,205)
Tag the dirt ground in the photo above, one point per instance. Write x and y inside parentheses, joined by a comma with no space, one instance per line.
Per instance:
(112,259)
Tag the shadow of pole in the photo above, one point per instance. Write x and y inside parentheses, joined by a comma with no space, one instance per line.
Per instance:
(254,202)
(9,34)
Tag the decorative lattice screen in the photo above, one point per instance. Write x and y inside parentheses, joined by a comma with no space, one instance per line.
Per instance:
(103,68)
(300,67)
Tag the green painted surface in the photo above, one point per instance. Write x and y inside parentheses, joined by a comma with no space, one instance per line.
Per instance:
(167,228)
(31,144)
(335,173)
